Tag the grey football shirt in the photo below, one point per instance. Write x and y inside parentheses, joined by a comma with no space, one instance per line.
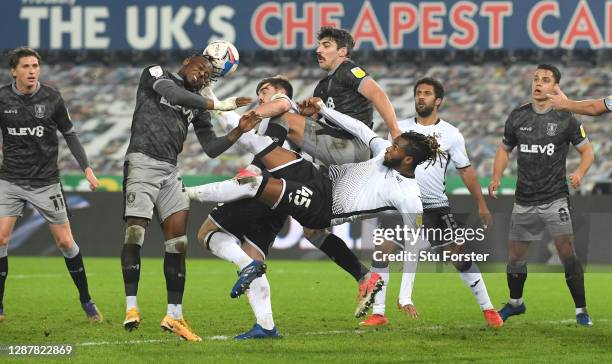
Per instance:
(542,140)
(159,128)
(339,90)
(29,126)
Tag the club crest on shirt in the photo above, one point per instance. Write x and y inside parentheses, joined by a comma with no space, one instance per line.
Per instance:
(551,129)
(39,111)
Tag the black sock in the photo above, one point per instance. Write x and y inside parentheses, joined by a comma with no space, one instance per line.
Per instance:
(574,277)
(174,270)
(517,275)
(77,272)
(130,266)
(3,274)
(335,248)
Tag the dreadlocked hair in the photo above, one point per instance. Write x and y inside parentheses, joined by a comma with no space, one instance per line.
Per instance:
(423,148)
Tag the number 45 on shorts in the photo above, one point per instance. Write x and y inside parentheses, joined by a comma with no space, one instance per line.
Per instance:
(301,197)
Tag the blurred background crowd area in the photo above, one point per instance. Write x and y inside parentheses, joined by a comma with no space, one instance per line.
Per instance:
(480,93)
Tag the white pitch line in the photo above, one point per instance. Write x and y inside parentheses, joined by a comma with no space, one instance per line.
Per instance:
(318,333)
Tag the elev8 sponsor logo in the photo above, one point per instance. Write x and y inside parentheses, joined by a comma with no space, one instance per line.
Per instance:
(38,131)
(548,149)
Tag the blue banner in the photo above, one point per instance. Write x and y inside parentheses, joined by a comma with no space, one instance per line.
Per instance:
(272,25)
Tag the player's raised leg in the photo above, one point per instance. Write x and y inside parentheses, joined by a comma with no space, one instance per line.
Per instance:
(6,228)
(225,246)
(74,262)
(130,268)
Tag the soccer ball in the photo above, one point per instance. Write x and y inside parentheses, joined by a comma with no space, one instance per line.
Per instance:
(224,57)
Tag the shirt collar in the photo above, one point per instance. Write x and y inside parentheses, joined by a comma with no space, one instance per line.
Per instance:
(19,93)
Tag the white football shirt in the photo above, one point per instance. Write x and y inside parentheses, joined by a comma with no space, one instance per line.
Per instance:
(431,179)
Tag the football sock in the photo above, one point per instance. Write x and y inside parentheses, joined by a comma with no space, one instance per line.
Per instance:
(473,279)
(259,296)
(174,271)
(130,267)
(175,311)
(516,277)
(336,250)
(130,302)
(3,271)
(226,247)
(76,268)
(574,277)
(380,298)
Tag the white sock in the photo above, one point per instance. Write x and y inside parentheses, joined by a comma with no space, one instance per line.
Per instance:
(226,247)
(381,297)
(130,302)
(259,296)
(71,252)
(225,191)
(175,311)
(516,301)
(473,279)
(581,310)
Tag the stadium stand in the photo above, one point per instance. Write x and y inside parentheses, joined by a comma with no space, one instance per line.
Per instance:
(479,97)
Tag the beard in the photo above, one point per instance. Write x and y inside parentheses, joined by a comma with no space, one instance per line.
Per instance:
(425,112)
(390,163)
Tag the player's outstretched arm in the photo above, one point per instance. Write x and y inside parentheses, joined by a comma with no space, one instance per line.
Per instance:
(592,107)
(353,126)
(214,145)
(373,92)
(275,107)
(177,95)
(586,160)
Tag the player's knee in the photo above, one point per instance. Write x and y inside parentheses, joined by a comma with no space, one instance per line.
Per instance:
(316,237)
(517,266)
(134,234)
(176,245)
(207,228)
(64,242)
(4,239)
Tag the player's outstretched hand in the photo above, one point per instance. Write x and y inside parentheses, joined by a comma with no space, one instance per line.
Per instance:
(309,106)
(409,310)
(493,186)
(558,98)
(91,178)
(575,179)
(249,121)
(231,103)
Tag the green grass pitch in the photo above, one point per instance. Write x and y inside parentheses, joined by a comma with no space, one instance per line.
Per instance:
(313,302)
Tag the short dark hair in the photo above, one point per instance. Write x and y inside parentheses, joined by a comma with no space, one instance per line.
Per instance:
(422,148)
(555,71)
(18,53)
(437,86)
(341,36)
(277,82)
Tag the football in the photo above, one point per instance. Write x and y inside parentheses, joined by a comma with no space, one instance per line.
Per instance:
(224,57)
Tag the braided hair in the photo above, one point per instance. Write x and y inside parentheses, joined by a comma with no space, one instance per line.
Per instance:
(423,148)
